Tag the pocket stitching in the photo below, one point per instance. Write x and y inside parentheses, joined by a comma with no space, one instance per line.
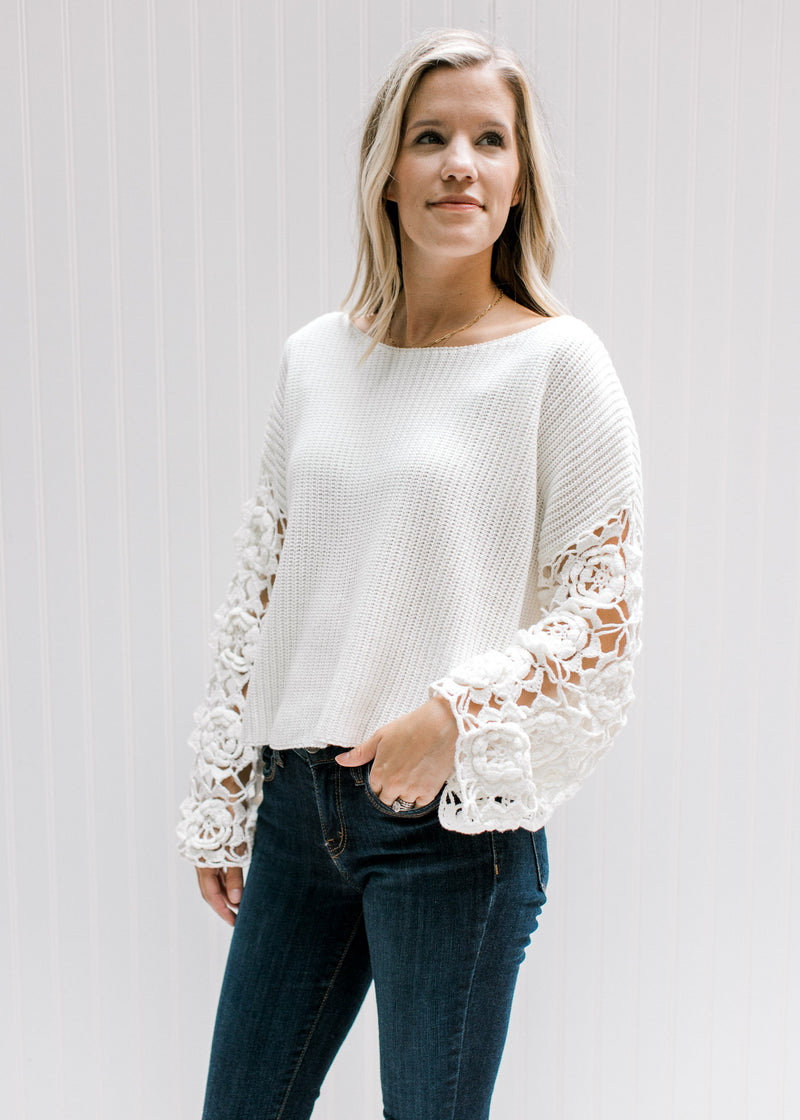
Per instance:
(540,876)
(411,814)
(267,771)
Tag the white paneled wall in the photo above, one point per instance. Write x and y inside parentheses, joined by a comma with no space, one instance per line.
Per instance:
(177,195)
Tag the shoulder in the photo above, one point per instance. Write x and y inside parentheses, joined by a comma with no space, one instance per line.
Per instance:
(571,338)
(583,393)
(565,350)
(577,357)
(332,328)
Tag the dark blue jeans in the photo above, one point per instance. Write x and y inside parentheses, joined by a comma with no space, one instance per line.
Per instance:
(342,891)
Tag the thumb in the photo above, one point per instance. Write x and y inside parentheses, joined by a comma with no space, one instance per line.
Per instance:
(233,884)
(357,756)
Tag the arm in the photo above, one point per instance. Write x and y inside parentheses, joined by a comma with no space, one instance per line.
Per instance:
(218,816)
(534,719)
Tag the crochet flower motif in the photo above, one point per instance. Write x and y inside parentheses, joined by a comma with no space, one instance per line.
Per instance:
(498,753)
(210,825)
(492,672)
(218,817)
(549,705)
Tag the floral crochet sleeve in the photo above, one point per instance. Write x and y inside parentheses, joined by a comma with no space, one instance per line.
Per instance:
(218,817)
(534,719)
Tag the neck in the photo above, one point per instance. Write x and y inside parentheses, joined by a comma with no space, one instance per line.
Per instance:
(440,295)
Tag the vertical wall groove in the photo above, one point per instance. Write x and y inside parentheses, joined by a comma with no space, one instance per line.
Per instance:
(789,908)
(88,742)
(611,175)
(14,917)
(280,170)
(200,349)
(533,44)
(725,427)
(683,627)
(40,536)
(363,51)
(200,303)
(322,152)
(570,157)
(716,762)
(245,457)
(645,423)
(789,830)
(405,21)
(761,569)
(123,529)
(164,535)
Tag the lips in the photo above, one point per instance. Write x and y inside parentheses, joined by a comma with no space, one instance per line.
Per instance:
(457,202)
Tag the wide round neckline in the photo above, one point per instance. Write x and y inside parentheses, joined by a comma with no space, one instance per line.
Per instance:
(503,338)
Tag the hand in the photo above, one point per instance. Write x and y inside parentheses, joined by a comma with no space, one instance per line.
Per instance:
(413,755)
(221,887)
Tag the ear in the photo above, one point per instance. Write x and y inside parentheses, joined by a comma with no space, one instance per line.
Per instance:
(517,195)
(388,190)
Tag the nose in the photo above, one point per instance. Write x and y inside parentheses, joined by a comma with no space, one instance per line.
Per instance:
(459,160)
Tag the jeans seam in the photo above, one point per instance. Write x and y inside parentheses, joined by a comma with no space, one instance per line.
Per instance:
(337,851)
(471,982)
(313,1026)
(333,854)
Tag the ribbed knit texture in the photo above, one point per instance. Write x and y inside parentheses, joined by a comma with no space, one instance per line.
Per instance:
(461,521)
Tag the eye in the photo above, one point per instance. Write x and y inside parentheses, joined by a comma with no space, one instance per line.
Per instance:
(493,140)
(429,137)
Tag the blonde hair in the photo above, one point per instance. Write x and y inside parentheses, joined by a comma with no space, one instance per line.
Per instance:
(523,255)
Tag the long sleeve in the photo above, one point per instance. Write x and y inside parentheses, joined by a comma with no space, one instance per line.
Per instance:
(218,817)
(535,718)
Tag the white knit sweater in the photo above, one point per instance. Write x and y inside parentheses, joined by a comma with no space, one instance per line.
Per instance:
(456,521)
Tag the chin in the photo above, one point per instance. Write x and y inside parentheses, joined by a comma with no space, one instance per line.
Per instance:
(459,252)
(458,244)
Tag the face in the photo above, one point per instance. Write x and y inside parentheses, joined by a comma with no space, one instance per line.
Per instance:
(457,172)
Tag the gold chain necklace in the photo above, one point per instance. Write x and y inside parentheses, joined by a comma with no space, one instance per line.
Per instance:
(458,330)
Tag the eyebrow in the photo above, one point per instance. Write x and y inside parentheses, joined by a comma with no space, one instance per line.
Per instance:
(483,124)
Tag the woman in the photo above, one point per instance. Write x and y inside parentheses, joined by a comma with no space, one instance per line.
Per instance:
(432,624)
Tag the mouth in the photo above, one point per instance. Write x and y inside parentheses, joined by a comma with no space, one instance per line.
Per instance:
(456,202)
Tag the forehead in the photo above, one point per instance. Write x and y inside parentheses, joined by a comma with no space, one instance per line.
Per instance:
(477,89)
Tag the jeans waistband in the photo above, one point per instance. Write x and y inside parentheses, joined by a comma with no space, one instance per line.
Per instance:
(319,754)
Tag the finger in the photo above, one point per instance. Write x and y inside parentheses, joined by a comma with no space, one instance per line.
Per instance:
(357,756)
(212,892)
(388,799)
(219,905)
(234,881)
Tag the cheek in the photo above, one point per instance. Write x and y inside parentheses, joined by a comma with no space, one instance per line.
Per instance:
(508,196)
(515,189)
(392,188)
(515,182)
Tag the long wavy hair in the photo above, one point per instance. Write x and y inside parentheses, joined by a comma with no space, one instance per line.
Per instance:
(523,255)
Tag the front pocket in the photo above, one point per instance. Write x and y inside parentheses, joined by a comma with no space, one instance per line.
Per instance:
(539,843)
(411,814)
(268,763)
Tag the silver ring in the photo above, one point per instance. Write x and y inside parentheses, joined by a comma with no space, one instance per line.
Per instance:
(401,806)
